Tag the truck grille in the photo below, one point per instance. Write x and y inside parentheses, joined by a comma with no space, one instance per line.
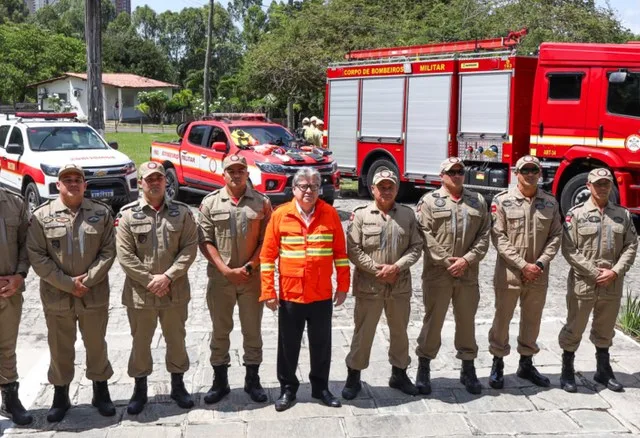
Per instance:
(100,172)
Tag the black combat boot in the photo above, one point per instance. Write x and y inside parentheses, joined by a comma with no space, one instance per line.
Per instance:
(604,373)
(12,407)
(102,399)
(179,392)
(139,397)
(399,380)
(61,404)
(252,384)
(496,378)
(468,377)
(353,385)
(527,371)
(567,377)
(423,376)
(220,386)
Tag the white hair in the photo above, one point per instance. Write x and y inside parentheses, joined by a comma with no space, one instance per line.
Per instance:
(307,173)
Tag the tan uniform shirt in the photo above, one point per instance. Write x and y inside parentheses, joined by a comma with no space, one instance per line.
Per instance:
(236,230)
(63,245)
(453,229)
(309,134)
(14,223)
(374,238)
(595,239)
(153,242)
(524,231)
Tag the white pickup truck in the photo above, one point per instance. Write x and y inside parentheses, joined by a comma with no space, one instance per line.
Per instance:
(33,147)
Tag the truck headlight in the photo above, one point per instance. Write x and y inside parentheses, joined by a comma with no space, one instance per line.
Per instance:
(50,170)
(130,167)
(270,167)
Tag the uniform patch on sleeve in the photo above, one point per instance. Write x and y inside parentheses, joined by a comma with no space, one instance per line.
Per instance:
(494,208)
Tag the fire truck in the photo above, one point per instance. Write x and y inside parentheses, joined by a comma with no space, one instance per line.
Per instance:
(575,106)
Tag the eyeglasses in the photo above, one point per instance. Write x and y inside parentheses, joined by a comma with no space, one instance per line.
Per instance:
(529,171)
(459,172)
(305,187)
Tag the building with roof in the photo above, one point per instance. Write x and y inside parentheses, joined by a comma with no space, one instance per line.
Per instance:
(119,91)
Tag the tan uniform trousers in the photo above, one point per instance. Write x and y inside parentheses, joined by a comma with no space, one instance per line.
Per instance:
(221,301)
(436,300)
(366,316)
(143,324)
(62,338)
(605,314)
(531,305)
(10,313)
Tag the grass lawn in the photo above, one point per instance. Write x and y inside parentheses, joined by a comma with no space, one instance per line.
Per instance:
(137,146)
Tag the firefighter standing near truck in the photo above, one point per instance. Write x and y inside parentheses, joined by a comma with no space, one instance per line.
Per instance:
(600,244)
(14,265)
(232,222)
(310,132)
(71,246)
(527,234)
(456,227)
(156,241)
(383,242)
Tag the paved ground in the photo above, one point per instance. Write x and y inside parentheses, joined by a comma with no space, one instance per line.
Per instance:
(518,410)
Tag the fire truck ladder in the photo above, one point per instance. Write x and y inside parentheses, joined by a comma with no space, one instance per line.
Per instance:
(508,42)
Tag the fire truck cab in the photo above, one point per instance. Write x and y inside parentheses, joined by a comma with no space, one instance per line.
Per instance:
(575,106)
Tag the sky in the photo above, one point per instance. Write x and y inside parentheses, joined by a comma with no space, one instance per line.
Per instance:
(627,10)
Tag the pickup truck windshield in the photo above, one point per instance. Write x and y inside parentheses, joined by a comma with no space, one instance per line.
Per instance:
(276,135)
(63,138)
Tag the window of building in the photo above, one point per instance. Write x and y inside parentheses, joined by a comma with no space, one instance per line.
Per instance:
(565,86)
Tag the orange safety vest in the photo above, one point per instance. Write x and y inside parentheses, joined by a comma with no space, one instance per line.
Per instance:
(306,254)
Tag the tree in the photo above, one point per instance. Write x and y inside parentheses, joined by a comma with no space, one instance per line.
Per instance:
(67,17)
(153,104)
(13,11)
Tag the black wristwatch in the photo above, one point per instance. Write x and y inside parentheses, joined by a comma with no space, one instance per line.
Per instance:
(248,268)
(22,274)
(540,265)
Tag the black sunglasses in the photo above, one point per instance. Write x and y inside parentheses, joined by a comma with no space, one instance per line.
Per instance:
(459,172)
(530,170)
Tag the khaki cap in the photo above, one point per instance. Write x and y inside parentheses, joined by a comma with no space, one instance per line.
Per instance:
(313,119)
(149,168)
(70,168)
(527,159)
(233,160)
(598,174)
(384,175)
(449,163)
(319,122)
(305,121)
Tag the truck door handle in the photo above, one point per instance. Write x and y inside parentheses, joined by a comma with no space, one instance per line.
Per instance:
(203,155)
(541,129)
(184,152)
(601,132)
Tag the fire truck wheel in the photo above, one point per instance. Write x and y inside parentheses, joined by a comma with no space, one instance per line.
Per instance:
(32,196)
(173,186)
(385,164)
(576,191)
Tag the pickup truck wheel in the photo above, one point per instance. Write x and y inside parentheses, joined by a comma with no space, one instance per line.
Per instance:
(385,164)
(576,191)
(173,186)
(32,196)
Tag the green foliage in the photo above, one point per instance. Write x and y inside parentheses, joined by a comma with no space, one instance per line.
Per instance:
(30,54)
(629,317)
(153,104)
(13,11)
(67,17)
(58,105)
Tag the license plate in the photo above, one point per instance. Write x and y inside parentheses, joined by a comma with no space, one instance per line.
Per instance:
(101,194)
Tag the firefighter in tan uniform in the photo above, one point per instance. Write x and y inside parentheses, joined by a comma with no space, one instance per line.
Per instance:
(318,134)
(311,130)
(156,242)
(14,265)
(232,222)
(527,234)
(456,225)
(71,246)
(383,242)
(600,244)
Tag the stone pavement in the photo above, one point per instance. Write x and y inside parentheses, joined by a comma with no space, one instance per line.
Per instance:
(518,410)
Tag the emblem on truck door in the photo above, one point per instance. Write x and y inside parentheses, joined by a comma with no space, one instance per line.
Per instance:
(633,143)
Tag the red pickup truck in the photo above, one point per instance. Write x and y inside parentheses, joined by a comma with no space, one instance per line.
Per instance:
(194,162)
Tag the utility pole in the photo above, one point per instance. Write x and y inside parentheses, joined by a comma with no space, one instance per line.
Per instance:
(290,99)
(207,61)
(93,38)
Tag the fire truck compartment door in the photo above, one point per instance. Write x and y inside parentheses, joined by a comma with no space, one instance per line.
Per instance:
(484,103)
(343,121)
(382,108)
(427,123)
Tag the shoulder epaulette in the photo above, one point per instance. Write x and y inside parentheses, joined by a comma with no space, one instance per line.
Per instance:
(576,206)
(504,192)
(130,205)
(405,206)
(182,204)
(45,203)
(103,204)
(215,192)
(360,207)
(9,192)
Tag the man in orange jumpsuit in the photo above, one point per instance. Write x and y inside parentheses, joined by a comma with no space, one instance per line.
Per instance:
(307,237)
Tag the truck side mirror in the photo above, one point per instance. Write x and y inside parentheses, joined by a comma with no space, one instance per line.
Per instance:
(617,77)
(113,145)
(15,148)
(219,146)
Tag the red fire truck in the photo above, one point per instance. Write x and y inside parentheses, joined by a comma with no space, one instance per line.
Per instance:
(575,106)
